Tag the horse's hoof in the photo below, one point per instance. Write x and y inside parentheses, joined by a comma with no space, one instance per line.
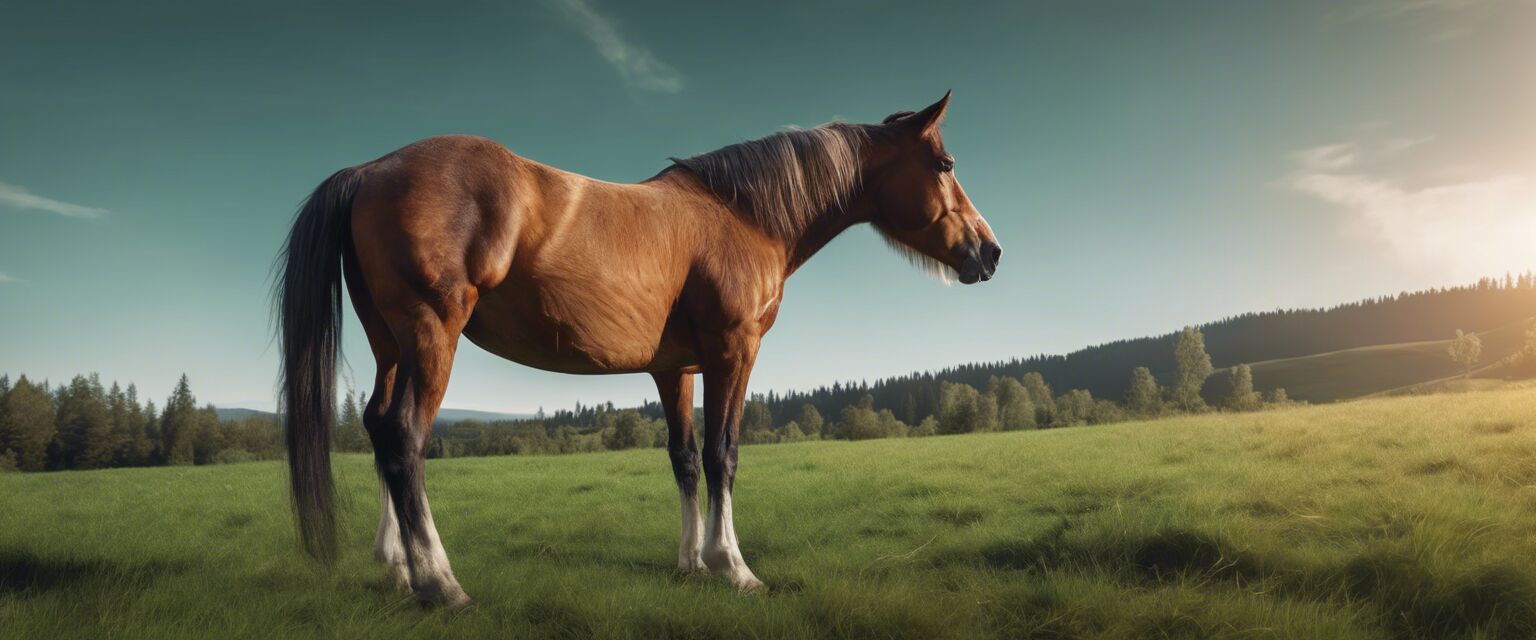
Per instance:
(450,598)
(753,586)
(464,602)
(749,584)
(400,577)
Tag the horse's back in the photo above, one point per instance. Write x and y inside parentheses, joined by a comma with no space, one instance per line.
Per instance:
(563,272)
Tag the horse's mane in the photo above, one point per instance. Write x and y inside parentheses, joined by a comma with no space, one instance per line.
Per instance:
(783,181)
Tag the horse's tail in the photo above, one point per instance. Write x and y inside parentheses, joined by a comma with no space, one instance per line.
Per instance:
(307,292)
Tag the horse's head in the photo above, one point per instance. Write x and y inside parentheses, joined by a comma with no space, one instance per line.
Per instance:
(920,208)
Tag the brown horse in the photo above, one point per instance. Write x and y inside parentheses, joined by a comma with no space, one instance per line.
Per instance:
(678,275)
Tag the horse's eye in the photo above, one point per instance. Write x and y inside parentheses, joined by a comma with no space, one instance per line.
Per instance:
(946,165)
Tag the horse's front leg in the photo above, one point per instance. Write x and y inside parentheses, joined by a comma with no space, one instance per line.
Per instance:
(676,389)
(726,370)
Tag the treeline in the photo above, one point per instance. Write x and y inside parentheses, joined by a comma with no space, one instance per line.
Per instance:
(1431,314)
(1004,404)
(84,425)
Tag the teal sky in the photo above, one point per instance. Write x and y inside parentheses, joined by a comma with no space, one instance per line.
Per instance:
(1145,165)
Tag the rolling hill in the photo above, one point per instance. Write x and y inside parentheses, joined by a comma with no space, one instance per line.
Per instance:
(1363,371)
(1319,355)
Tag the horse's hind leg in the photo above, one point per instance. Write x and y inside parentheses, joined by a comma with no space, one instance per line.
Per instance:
(427,338)
(387,549)
(676,390)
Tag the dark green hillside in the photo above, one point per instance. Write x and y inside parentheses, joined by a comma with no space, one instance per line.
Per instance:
(1351,373)
(1104,370)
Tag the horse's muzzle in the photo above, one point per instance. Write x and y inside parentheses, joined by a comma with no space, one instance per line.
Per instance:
(981,262)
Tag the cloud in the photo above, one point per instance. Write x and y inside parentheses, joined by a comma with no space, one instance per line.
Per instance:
(636,64)
(18,197)
(1439,21)
(1390,9)
(1327,157)
(1470,226)
(6,278)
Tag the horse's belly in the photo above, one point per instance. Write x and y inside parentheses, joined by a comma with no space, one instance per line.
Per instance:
(573,329)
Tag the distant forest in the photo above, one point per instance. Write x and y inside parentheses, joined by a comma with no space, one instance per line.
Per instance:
(86,425)
(1104,370)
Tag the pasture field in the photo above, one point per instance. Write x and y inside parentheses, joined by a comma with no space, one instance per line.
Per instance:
(1384,518)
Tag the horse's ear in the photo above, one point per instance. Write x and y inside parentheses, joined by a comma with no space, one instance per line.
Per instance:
(925,122)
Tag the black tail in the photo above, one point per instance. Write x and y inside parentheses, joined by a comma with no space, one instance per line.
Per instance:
(308,296)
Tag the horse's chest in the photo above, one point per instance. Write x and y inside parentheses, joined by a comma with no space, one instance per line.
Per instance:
(576,326)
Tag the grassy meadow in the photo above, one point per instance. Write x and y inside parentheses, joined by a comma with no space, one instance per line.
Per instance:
(1385,518)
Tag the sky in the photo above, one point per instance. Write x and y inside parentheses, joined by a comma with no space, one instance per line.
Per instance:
(1145,165)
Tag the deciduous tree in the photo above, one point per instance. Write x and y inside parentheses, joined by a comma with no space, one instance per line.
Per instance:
(1014,410)
(1040,395)
(1145,396)
(1194,366)
(1465,350)
(810,421)
(1242,397)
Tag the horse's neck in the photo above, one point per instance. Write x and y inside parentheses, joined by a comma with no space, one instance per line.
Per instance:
(821,231)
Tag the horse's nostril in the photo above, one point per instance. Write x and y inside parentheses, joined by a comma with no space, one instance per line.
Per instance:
(994,253)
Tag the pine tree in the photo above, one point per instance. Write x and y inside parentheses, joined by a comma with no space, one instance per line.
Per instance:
(85,439)
(178,425)
(27,424)
(152,455)
(120,417)
(1145,397)
(755,417)
(1194,366)
(350,435)
(136,448)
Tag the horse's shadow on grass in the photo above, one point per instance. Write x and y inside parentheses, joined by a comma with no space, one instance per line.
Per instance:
(26,573)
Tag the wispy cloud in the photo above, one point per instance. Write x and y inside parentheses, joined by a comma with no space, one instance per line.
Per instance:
(1444,20)
(1399,9)
(1327,157)
(6,278)
(1468,226)
(636,64)
(17,197)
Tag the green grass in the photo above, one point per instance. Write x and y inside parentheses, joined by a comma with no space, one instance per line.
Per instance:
(1384,518)
(1363,371)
